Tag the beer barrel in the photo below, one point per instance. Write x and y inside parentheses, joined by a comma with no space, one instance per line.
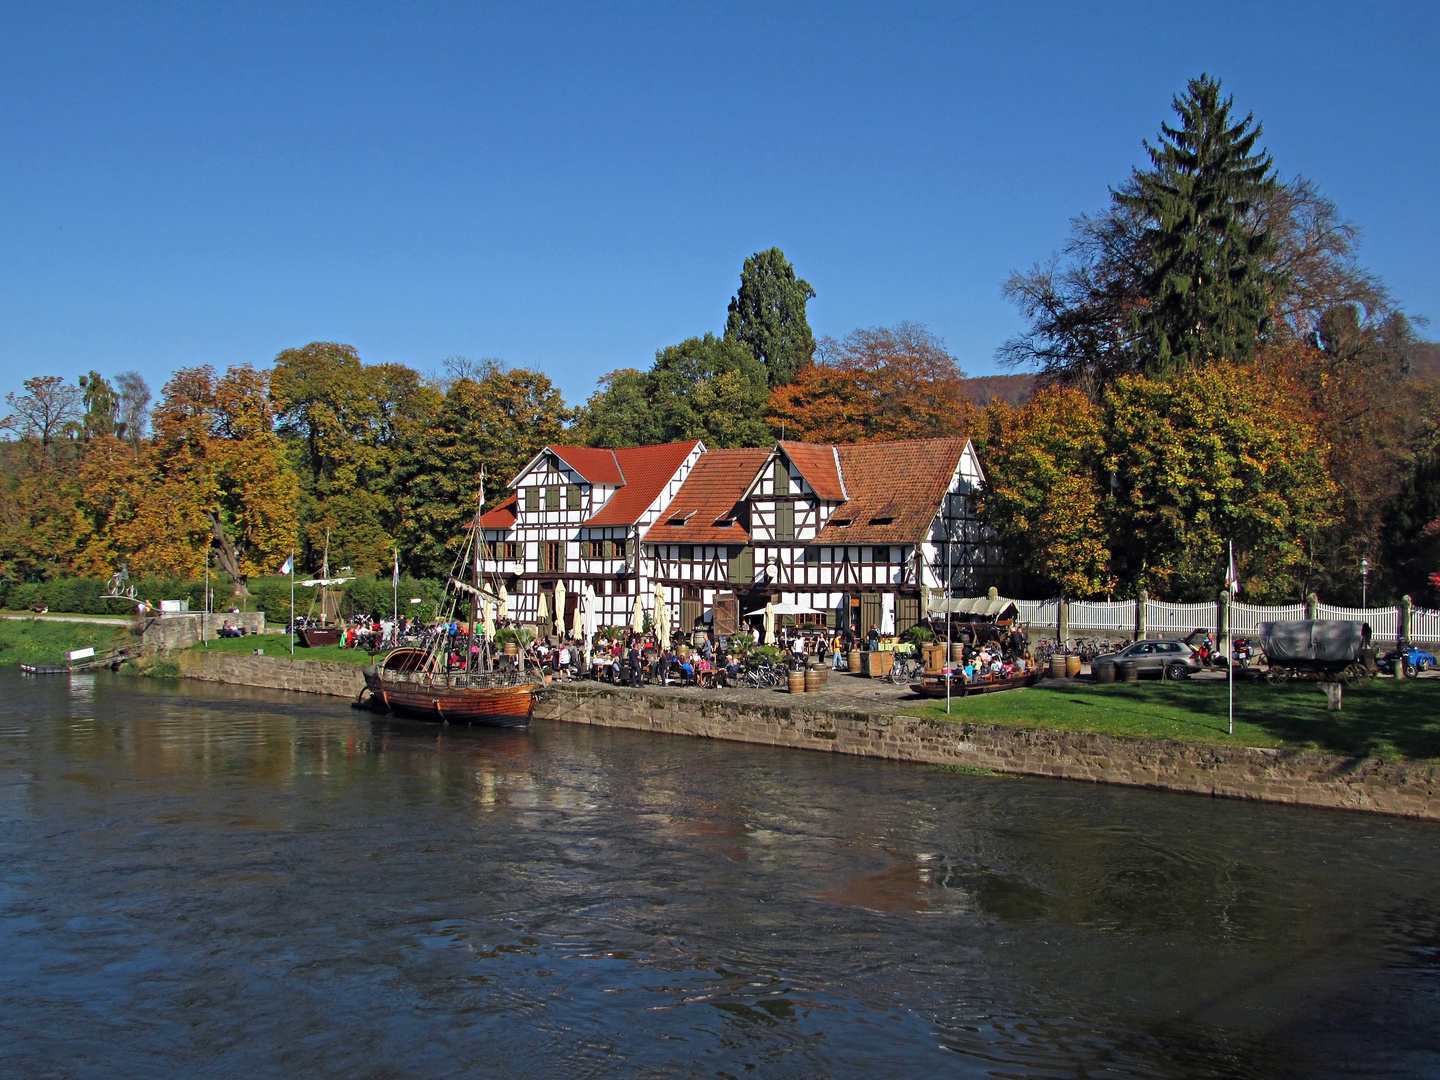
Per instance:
(511,649)
(1128,670)
(814,680)
(1104,672)
(1072,666)
(957,652)
(797,682)
(1057,667)
(853,661)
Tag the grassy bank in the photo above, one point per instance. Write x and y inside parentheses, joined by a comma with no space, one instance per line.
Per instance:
(279,645)
(43,641)
(1387,718)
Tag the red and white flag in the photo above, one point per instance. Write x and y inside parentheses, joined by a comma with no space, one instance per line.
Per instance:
(1232,580)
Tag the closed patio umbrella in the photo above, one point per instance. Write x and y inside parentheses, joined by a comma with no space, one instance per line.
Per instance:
(560,608)
(770,623)
(662,616)
(504,612)
(637,618)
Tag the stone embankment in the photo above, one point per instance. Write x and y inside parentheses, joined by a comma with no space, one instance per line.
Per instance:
(276,672)
(1299,778)
(1303,779)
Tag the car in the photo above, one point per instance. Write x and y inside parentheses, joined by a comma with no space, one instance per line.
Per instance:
(1168,658)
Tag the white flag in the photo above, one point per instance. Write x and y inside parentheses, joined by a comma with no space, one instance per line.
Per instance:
(289,567)
(1232,580)
(395,576)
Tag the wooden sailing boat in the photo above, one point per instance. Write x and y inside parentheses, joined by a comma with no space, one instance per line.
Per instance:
(424,685)
(329,632)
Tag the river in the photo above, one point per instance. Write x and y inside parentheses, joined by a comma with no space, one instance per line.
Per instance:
(201,880)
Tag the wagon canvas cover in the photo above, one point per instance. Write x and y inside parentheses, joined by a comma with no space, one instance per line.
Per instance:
(1332,640)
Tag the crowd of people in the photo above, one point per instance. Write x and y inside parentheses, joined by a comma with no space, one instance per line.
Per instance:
(633,658)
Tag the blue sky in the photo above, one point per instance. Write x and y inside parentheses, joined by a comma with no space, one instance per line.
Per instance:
(574,186)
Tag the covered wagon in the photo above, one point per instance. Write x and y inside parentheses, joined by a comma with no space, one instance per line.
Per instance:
(1332,649)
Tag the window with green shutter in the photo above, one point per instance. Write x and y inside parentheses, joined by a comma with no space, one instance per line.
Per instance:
(782,478)
(607,549)
(785,521)
(552,498)
(532,499)
(742,565)
(572,497)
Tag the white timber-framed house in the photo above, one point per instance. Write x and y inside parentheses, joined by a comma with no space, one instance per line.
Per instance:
(862,535)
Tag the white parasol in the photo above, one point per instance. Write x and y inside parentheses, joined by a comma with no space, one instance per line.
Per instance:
(489,621)
(560,608)
(588,619)
(637,618)
(887,614)
(770,623)
(662,616)
(504,612)
(542,609)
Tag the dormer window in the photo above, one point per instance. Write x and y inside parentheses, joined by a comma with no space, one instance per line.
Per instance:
(842,523)
(680,520)
(882,521)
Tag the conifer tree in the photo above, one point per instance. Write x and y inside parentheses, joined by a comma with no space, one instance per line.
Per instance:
(1208,287)
(768,315)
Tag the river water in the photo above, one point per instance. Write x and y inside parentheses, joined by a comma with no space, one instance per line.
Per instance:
(216,881)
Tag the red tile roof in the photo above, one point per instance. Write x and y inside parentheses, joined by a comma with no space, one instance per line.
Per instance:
(597,466)
(502,517)
(818,466)
(895,490)
(710,494)
(646,469)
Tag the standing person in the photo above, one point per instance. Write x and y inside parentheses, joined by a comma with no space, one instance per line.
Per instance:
(637,677)
(565,658)
(797,652)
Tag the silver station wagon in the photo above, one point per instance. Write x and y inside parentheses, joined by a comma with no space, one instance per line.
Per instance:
(1167,658)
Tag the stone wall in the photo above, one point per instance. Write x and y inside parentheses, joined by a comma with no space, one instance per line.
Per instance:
(279,673)
(164,633)
(1303,779)
(1306,779)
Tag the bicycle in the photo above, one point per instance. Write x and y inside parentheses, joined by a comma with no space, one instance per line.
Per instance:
(905,670)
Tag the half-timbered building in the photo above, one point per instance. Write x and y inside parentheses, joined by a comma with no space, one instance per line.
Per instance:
(858,535)
(575,516)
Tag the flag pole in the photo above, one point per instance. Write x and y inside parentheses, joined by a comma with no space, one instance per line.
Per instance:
(395,589)
(291,562)
(1230,636)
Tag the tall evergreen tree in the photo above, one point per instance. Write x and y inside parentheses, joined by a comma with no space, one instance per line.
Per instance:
(768,315)
(1209,288)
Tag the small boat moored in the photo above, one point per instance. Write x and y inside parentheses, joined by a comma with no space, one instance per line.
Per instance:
(933,686)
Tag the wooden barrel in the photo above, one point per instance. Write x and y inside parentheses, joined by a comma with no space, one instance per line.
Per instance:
(683,652)
(957,652)
(814,680)
(511,649)
(1072,666)
(853,661)
(797,682)
(1104,673)
(1057,667)
(1128,670)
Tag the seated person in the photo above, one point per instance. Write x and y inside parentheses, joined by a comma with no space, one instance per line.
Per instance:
(687,672)
(732,671)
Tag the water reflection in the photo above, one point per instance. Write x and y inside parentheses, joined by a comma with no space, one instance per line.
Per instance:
(236,881)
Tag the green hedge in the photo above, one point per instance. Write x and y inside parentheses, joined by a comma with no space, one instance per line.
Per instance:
(374,596)
(84,596)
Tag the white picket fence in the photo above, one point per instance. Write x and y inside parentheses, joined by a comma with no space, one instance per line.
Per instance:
(1089,617)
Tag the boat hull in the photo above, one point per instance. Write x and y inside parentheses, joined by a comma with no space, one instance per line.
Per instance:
(318,637)
(933,686)
(491,706)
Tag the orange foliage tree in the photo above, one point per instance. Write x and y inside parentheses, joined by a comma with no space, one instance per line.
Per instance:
(877,384)
(1042,495)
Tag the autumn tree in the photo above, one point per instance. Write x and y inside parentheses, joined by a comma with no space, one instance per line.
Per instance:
(495,424)
(1043,493)
(767,315)
(1222,455)
(878,383)
(49,409)
(101,403)
(349,425)
(132,410)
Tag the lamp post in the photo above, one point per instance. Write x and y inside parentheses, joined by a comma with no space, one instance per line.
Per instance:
(1364,581)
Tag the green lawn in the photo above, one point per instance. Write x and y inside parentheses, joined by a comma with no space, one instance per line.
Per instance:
(44,641)
(279,645)
(1387,718)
